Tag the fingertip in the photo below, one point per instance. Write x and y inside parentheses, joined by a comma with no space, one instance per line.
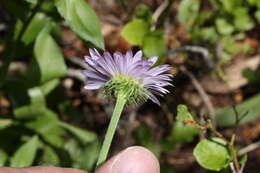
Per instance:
(134,159)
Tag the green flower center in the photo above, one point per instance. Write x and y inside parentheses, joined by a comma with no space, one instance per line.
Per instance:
(128,87)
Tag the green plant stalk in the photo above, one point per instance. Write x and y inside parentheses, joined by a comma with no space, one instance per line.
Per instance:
(120,103)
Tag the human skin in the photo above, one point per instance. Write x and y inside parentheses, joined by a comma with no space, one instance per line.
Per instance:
(131,160)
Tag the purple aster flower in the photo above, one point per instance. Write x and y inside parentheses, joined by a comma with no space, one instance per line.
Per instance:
(127,74)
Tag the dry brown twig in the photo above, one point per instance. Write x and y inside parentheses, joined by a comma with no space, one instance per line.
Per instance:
(249,148)
(204,96)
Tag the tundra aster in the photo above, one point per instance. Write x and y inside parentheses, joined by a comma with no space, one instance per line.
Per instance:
(129,75)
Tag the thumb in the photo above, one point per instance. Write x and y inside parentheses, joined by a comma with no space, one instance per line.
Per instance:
(132,160)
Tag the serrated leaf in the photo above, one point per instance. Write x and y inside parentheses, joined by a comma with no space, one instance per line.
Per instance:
(82,19)
(183,114)
(49,61)
(135,31)
(225,116)
(84,135)
(212,154)
(25,155)
(153,44)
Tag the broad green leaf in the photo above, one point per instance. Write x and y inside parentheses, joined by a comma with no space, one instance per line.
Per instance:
(230,5)
(212,154)
(183,114)
(49,157)
(34,2)
(34,28)
(46,124)
(89,156)
(188,11)
(49,62)
(3,158)
(154,44)
(243,21)
(47,87)
(224,27)
(226,117)
(257,15)
(82,19)
(5,123)
(35,107)
(25,155)
(184,133)
(84,135)
(134,32)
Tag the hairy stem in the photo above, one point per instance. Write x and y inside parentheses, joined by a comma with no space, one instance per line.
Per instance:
(120,103)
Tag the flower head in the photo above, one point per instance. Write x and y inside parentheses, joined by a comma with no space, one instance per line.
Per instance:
(127,75)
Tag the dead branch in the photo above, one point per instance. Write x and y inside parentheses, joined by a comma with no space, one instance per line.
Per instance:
(204,96)
(249,148)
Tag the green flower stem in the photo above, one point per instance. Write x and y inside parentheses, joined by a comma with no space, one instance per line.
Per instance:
(120,103)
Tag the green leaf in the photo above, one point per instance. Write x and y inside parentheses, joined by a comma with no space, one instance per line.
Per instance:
(46,124)
(82,19)
(49,157)
(89,156)
(25,155)
(84,135)
(188,11)
(243,21)
(3,158)
(212,154)
(183,133)
(154,44)
(230,5)
(34,2)
(257,15)
(225,117)
(35,107)
(49,62)
(37,24)
(49,86)
(243,159)
(224,27)
(183,114)
(135,31)
(5,123)
(143,12)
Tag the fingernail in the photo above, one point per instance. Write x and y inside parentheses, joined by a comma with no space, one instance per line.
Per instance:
(135,160)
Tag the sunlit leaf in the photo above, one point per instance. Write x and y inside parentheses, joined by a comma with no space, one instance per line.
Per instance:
(82,19)
(49,62)
(49,157)
(223,26)
(25,155)
(212,154)
(134,32)
(183,113)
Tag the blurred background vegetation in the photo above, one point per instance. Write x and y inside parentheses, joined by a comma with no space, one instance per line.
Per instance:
(47,118)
